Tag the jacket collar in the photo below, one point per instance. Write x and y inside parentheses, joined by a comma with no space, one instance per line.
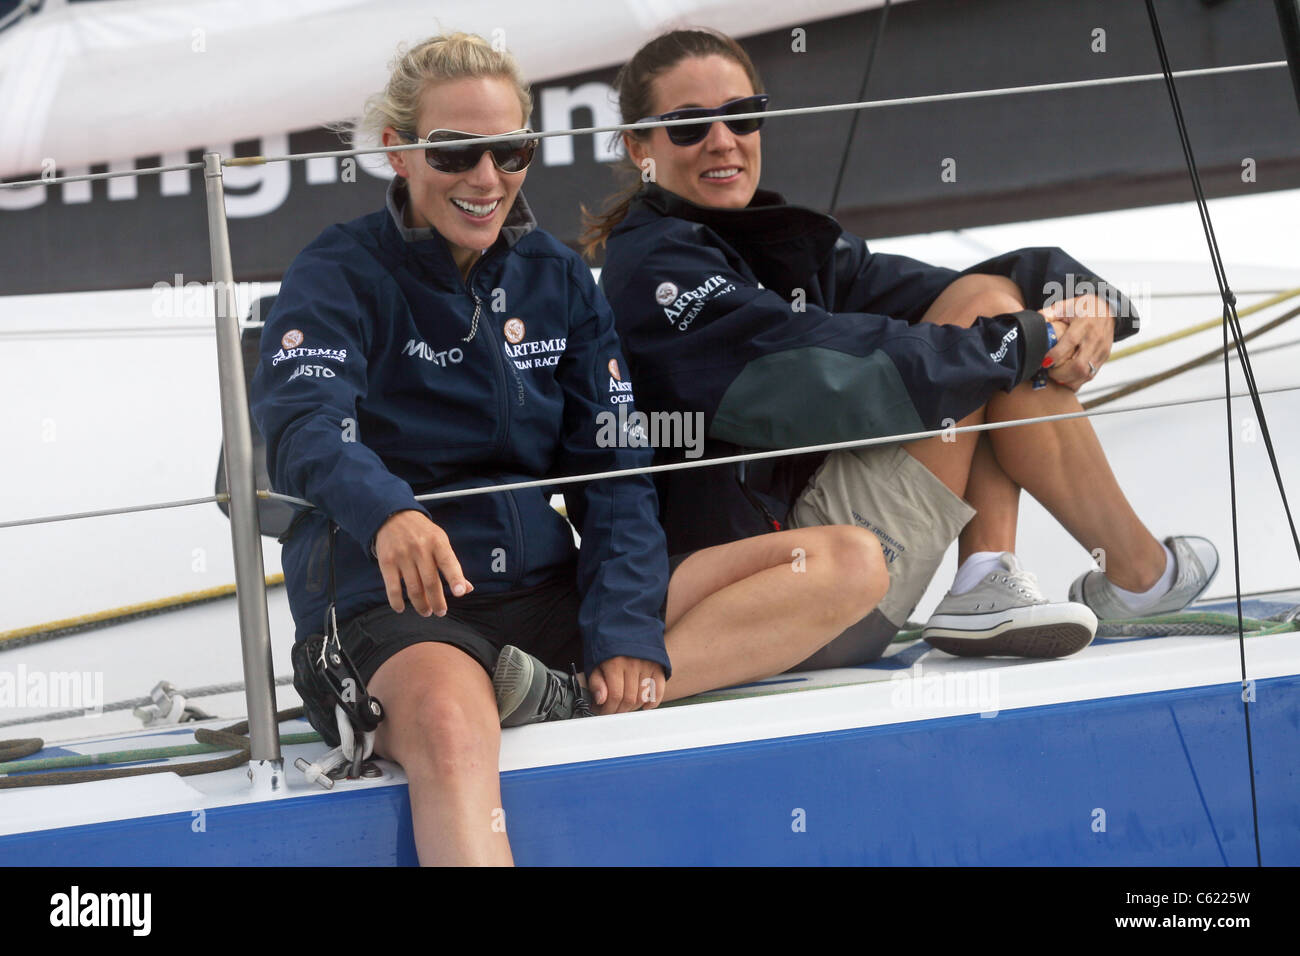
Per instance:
(519,222)
(767,232)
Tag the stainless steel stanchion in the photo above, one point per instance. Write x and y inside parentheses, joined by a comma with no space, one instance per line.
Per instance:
(266,765)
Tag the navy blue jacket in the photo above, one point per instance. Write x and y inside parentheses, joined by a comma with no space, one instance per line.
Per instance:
(384,375)
(784,330)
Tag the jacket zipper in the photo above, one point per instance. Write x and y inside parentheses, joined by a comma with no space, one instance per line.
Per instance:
(519,536)
(510,365)
(503,408)
(503,411)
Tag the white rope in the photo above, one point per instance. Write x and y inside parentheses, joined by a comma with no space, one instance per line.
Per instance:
(803,450)
(626,127)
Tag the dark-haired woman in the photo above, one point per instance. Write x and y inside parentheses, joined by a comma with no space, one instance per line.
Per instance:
(785,331)
(390,369)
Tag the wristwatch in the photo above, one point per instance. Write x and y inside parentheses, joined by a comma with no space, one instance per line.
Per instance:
(1040,377)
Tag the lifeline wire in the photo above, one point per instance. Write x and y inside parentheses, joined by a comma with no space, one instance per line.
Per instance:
(618,128)
(654,469)
(1233,322)
(781,452)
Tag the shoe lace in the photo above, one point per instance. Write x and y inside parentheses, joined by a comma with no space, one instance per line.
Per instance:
(553,695)
(580,705)
(1025,583)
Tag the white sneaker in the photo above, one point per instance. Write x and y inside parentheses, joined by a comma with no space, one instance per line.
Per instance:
(1196,561)
(1007,614)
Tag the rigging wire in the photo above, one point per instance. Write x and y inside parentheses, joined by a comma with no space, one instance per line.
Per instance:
(1231,322)
(862,95)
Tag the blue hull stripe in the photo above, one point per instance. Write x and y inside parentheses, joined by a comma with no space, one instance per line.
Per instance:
(1148,779)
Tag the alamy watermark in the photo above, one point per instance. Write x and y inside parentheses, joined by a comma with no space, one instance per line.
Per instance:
(60,690)
(624,429)
(200,300)
(1123,301)
(964,691)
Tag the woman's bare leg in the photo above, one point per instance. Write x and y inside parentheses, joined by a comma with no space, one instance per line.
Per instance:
(441,724)
(756,607)
(996,500)
(1062,464)
(984,485)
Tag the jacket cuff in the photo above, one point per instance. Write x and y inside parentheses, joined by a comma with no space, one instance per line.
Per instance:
(1033,332)
(1127,321)
(375,519)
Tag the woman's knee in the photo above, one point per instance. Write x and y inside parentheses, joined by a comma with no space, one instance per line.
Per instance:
(456,736)
(858,566)
(446,731)
(969,297)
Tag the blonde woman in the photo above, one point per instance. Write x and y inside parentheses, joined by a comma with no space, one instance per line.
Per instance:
(446,342)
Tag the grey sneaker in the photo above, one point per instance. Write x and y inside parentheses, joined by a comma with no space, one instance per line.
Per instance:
(528,692)
(1007,614)
(1196,561)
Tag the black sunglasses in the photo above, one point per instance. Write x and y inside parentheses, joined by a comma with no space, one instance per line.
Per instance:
(688,134)
(511,157)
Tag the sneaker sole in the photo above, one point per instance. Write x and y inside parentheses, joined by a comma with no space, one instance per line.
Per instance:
(512,678)
(1068,630)
(1042,641)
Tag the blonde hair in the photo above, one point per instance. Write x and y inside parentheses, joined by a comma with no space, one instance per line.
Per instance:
(452,56)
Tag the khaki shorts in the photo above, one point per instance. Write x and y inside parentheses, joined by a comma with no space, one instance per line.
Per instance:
(885,490)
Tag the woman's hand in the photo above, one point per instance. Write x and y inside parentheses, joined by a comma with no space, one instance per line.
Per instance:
(412,550)
(1085,345)
(623,684)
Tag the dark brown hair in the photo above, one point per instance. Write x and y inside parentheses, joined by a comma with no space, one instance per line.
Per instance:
(634,86)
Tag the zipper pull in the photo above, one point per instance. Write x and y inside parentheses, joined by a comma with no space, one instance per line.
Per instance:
(473,325)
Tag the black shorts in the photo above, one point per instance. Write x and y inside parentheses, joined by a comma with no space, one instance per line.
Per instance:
(542,620)
(674,562)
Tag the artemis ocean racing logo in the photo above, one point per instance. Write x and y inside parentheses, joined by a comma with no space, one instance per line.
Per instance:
(682,310)
(285,355)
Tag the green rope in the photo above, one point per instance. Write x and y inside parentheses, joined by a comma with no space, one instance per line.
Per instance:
(134,756)
(207,741)
(1191,624)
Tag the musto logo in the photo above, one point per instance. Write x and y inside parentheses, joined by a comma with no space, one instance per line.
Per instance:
(423,350)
